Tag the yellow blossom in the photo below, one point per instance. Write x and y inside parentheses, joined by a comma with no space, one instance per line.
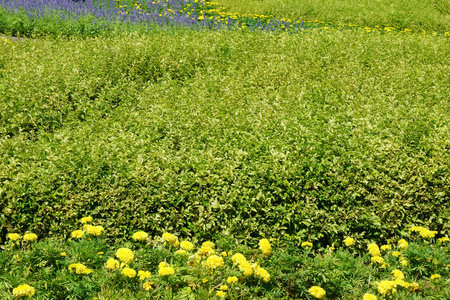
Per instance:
(427,234)
(374,250)
(232,280)
(125,255)
(221,294)
(435,276)
(396,254)
(129,272)
(223,287)
(24,290)
(86,220)
(414,287)
(402,244)
(180,252)
(264,246)
(377,260)
(386,287)
(166,271)
(398,274)
(79,269)
(208,244)
(94,230)
(13,237)
(77,234)
(63,254)
(144,275)
(30,237)
(188,246)
(444,239)
(262,273)
(349,242)
(246,268)
(224,253)
(385,247)
(206,251)
(214,262)
(148,286)
(369,297)
(306,245)
(238,258)
(112,264)
(140,236)
(317,292)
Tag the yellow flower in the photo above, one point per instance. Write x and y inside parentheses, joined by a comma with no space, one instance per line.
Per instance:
(369,297)
(246,268)
(30,237)
(24,290)
(317,292)
(148,286)
(223,287)
(129,272)
(170,238)
(166,271)
(94,230)
(396,254)
(386,287)
(385,247)
(427,234)
(208,244)
(377,260)
(417,228)
(332,249)
(404,262)
(221,294)
(414,287)
(402,244)
(13,237)
(16,257)
(162,264)
(63,254)
(232,280)
(214,262)
(144,275)
(224,253)
(112,264)
(435,276)
(140,236)
(262,273)
(238,258)
(77,234)
(206,251)
(79,269)
(86,220)
(349,242)
(444,239)
(125,255)
(180,252)
(188,246)
(398,274)
(204,280)
(374,250)
(264,246)
(306,245)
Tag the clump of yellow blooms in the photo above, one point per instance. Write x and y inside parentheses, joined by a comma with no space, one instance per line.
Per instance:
(435,276)
(398,274)
(79,269)
(144,275)
(317,292)
(86,220)
(148,286)
(427,234)
(223,287)
(206,251)
(188,246)
(94,230)
(232,279)
(238,258)
(261,273)
(386,287)
(386,248)
(166,270)
(112,264)
(396,254)
(444,239)
(13,237)
(125,255)
(171,239)
(307,245)
(140,236)
(208,244)
(414,287)
(30,237)
(264,246)
(77,234)
(369,297)
(24,290)
(349,242)
(374,250)
(128,272)
(180,252)
(402,244)
(214,262)
(221,294)
(377,260)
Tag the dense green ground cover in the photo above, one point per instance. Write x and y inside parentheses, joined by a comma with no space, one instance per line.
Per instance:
(433,15)
(246,134)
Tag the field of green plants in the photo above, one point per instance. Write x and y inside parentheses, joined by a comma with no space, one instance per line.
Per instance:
(300,134)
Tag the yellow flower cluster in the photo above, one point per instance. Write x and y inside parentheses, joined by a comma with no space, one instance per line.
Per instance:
(181,252)
(171,239)
(221,294)
(112,264)
(264,246)
(30,237)
(317,292)
(374,250)
(94,230)
(307,245)
(349,242)
(444,239)
(214,262)
(261,273)
(206,250)
(144,275)
(232,280)
(148,286)
(77,234)
(424,232)
(13,237)
(386,248)
(435,276)
(128,272)
(369,297)
(388,287)
(188,246)
(402,244)
(166,270)
(86,220)
(140,236)
(398,274)
(79,269)
(377,260)
(125,255)
(24,290)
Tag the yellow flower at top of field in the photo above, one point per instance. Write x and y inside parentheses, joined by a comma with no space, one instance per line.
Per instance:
(369,297)
(223,287)
(264,246)
(77,234)
(13,236)
(374,250)
(112,264)
(214,262)
(414,287)
(166,271)
(94,230)
(307,245)
(221,294)
(386,247)
(398,274)
(386,287)
(30,237)
(317,292)
(128,272)
(402,244)
(349,242)
(125,255)
(188,246)
(86,220)
(208,244)
(435,276)
(206,251)
(238,258)
(444,239)
(79,269)
(377,260)
(170,238)
(140,236)
(24,290)
(144,274)
(148,286)
(427,234)
(232,280)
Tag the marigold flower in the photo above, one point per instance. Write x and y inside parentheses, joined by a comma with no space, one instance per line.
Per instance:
(148,286)
(396,254)
(264,246)
(140,236)
(403,244)
(77,234)
(224,253)
(63,254)
(427,234)
(214,262)
(232,280)
(162,264)
(166,271)
(246,268)
(317,292)
(435,276)
(180,252)
(401,282)
(112,264)
(262,273)
(221,294)
(170,238)
(238,258)
(374,250)
(377,260)
(188,246)
(144,275)
(24,290)
(398,274)
(414,287)
(94,230)
(125,255)
(416,228)
(349,242)
(369,297)
(79,269)
(385,287)
(307,245)
(13,237)
(86,220)
(206,251)
(208,244)
(444,239)
(129,272)
(404,262)
(30,237)
(223,287)
(386,247)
